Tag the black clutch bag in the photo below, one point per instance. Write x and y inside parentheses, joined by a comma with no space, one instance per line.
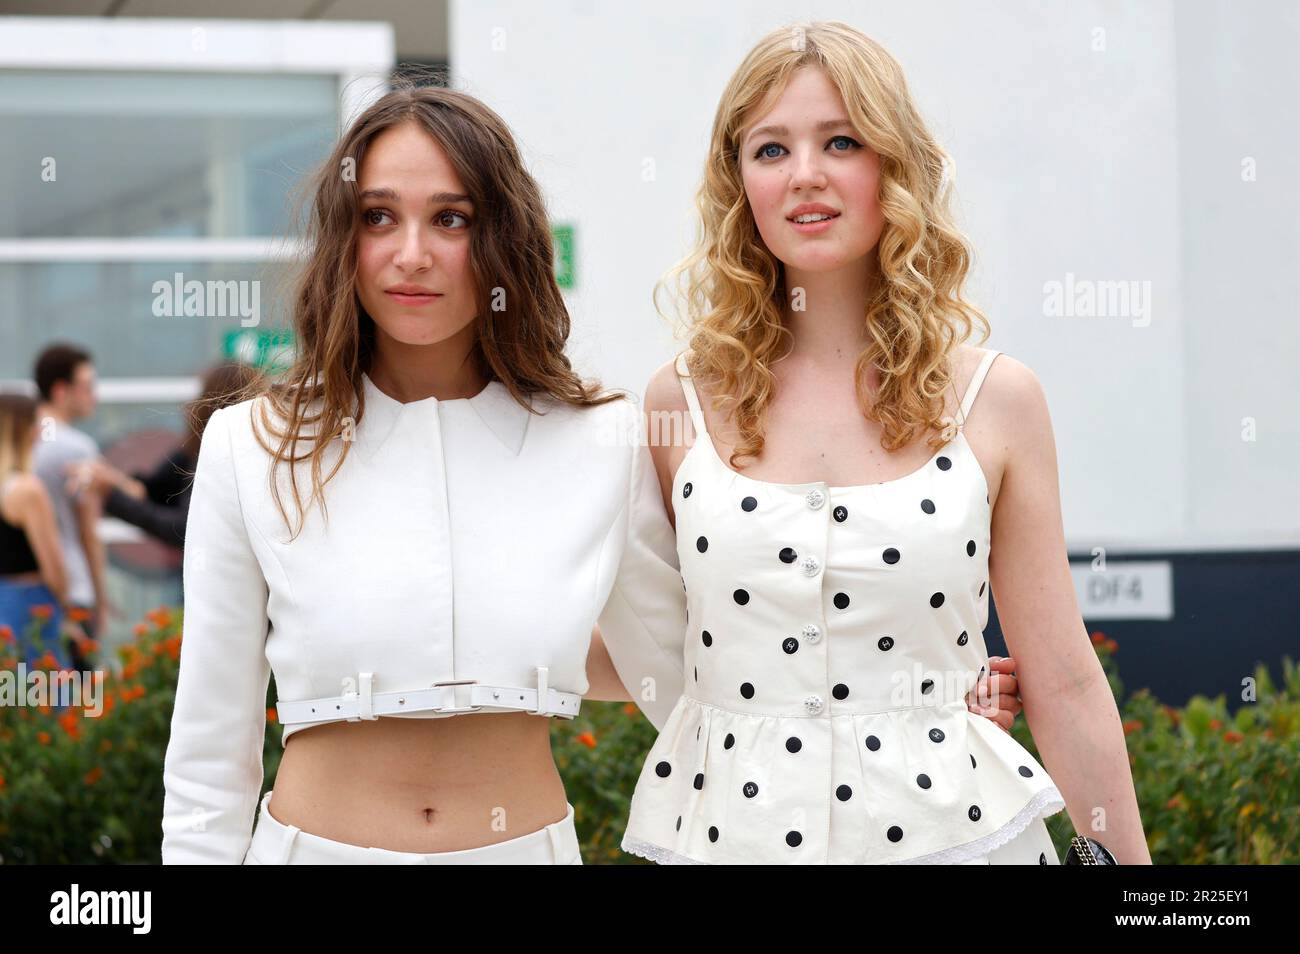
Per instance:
(1085,851)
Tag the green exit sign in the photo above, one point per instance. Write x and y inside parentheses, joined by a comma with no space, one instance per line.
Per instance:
(566,264)
(270,349)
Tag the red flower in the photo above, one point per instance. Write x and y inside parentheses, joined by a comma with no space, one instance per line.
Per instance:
(587,739)
(6,634)
(93,776)
(1232,736)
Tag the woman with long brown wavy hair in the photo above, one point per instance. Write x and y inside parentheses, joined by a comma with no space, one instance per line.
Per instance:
(423,518)
(837,595)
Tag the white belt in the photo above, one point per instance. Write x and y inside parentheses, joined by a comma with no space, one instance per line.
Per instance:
(463,695)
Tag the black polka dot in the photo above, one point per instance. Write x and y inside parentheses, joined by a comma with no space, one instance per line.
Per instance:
(741,596)
(713,833)
(747,690)
(895,833)
(923,780)
(973,813)
(936,600)
(841,601)
(844,793)
(707,638)
(1026,771)
(699,781)
(702,544)
(891,556)
(970,547)
(944,463)
(790,645)
(748,504)
(679,822)
(927,685)
(686,490)
(793,744)
(1042,858)
(961,640)
(981,593)
(793,839)
(663,769)
(936,735)
(840,514)
(729,741)
(698,730)
(972,761)
(787,555)
(749,789)
(840,691)
(927,505)
(873,743)
(886,643)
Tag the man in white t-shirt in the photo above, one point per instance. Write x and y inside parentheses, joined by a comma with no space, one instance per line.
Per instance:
(65,377)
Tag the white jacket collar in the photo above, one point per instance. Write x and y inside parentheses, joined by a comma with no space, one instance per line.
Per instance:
(498,410)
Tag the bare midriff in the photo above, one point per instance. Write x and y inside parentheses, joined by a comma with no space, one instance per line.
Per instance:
(421,784)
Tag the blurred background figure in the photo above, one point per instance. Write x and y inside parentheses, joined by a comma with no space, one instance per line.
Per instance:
(65,380)
(34,581)
(158,501)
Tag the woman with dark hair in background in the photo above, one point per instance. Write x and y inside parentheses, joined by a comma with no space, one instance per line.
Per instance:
(158,502)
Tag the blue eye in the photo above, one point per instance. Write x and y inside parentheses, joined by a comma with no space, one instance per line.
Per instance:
(762,150)
(853,143)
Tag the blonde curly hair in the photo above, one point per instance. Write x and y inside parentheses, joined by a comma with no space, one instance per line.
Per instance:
(732,286)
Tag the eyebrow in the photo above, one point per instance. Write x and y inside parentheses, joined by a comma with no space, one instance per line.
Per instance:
(823,126)
(391,195)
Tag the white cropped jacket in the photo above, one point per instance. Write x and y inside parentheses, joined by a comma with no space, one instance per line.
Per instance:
(467,540)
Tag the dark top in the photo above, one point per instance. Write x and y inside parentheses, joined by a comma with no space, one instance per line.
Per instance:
(163,514)
(16,554)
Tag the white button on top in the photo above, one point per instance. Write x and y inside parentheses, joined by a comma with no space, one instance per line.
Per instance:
(811,565)
(812,632)
(815,499)
(813,704)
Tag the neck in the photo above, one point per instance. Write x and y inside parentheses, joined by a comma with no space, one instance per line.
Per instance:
(45,409)
(832,323)
(412,372)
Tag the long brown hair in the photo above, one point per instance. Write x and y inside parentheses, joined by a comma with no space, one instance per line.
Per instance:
(512,260)
(17,415)
(222,384)
(734,287)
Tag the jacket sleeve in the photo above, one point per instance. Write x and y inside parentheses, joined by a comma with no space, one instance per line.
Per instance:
(643,623)
(212,771)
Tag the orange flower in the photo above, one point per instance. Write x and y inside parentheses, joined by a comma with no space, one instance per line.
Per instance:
(2,781)
(1132,725)
(160,617)
(44,708)
(6,634)
(1175,802)
(270,715)
(129,670)
(140,629)
(43,737)
(71,724)
(1216,725)
(1098,638)
(93,776)
(1112,645)
(629,708)
(587,739)
(78,615)
(1268,733)
(42,611)
(1232,736)
(47,661)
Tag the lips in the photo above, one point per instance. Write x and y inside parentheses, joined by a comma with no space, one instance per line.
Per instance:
(811,208)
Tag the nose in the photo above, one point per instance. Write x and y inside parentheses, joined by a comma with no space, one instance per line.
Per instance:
(415,251)
(807,172)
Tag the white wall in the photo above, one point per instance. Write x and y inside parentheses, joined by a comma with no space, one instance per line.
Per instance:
(1102,141)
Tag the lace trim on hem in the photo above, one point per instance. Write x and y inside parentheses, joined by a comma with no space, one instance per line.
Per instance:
(660,856)
(1047,801)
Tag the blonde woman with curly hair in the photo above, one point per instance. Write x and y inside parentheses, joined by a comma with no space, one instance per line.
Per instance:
(847,507)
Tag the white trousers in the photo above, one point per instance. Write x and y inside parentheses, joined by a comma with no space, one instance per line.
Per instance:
(275,843)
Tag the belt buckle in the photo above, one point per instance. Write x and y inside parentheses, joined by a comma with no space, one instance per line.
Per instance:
(457,682)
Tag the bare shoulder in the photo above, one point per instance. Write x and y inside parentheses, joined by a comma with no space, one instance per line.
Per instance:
(664,392)
(1013,402)
(25,494)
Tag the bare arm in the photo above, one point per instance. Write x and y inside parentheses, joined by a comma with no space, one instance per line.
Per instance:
(29,503)
(603,683)
(1067,701)
(89,508)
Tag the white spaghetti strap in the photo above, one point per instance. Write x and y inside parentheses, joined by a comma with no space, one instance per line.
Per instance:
(973,388)
(692,399)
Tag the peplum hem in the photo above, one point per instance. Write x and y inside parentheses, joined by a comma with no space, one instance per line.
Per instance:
(918,785)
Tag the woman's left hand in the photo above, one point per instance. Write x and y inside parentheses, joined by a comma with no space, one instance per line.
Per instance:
(996,695)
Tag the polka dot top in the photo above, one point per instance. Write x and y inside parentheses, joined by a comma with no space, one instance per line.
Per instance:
(832,636)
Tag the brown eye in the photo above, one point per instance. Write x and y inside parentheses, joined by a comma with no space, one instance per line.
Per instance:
(444,216)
